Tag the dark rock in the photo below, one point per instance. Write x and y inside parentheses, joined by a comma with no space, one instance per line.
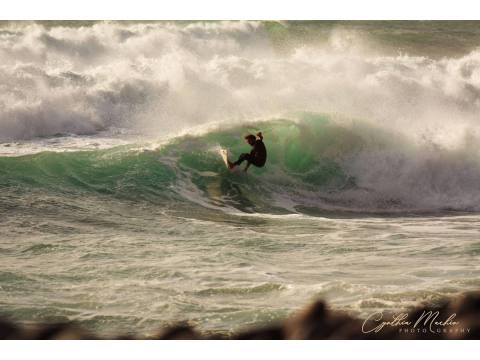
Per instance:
(8,330)
(61,331)
(179,332)
(265,333)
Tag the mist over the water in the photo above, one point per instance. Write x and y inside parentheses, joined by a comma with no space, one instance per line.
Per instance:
(163,78)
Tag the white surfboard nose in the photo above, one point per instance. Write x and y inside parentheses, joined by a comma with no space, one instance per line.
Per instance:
(224,155)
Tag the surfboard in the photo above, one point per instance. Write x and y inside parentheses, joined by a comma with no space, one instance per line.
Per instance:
(224,155)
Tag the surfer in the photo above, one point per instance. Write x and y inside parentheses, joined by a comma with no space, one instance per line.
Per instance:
(258,155)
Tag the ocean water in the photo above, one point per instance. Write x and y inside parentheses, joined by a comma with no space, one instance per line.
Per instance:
(117,212)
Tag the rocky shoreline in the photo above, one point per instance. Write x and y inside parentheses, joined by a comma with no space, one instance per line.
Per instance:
(457,318)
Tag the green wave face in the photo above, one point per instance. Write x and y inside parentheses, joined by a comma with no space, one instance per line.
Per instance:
(116,171)
(304,150)
(302,156)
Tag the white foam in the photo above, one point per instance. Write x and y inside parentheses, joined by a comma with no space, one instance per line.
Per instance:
(165,78)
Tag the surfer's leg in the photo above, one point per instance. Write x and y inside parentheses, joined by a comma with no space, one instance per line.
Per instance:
(242,158)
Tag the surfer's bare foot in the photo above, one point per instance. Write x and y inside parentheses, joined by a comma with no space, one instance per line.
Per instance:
(230,165)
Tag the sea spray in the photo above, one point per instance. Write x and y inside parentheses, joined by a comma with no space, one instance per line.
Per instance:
(163,78)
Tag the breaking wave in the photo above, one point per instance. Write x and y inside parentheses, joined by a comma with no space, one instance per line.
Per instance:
(316,164)
(159,79)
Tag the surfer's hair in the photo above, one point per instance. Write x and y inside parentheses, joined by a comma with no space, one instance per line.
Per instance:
(250,137)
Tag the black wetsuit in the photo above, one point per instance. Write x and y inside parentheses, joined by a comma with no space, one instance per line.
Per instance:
(257,157)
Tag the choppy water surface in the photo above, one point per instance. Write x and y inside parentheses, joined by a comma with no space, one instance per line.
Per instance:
(139,268)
